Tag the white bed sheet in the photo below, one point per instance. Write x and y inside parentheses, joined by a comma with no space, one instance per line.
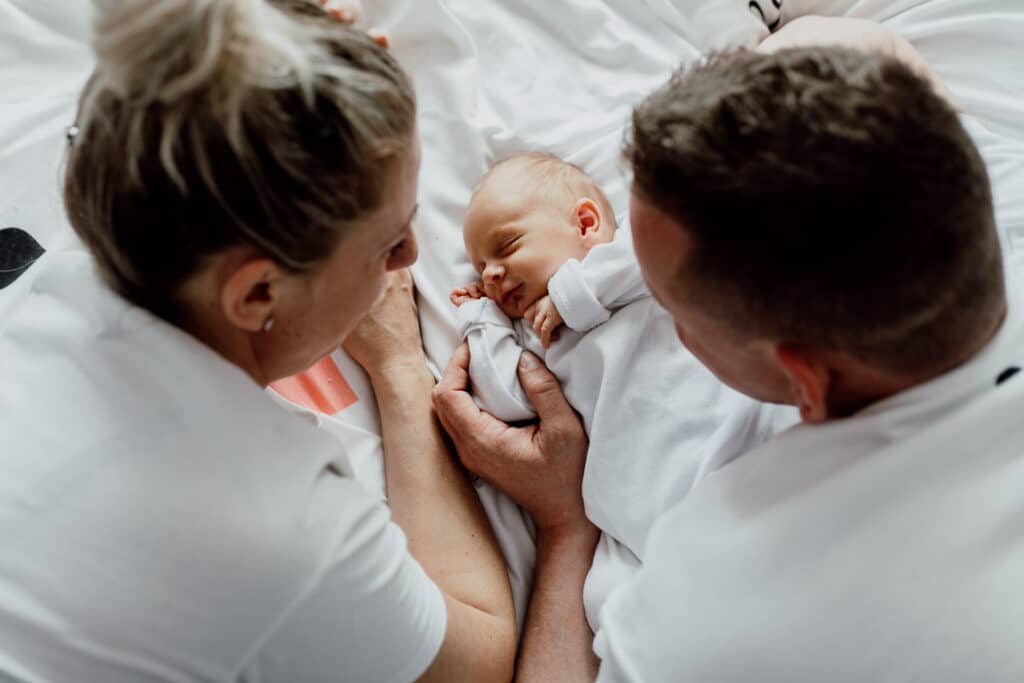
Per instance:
(494,78)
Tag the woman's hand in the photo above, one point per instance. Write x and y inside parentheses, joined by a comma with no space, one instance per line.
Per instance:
(388,337)
(350,12)
(540,466)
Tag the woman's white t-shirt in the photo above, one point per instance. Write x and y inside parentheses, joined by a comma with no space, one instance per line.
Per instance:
(164,520)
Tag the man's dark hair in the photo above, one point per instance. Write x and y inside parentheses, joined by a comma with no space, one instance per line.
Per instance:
(833,199)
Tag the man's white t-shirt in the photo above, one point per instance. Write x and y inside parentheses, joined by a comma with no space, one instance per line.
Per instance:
(164,520)
(888,546)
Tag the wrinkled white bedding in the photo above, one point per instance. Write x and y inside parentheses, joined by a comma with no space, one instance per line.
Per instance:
(495,78)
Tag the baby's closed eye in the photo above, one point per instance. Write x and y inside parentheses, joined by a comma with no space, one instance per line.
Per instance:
(509,245)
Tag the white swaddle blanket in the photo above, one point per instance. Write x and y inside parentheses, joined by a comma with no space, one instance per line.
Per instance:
(657,419)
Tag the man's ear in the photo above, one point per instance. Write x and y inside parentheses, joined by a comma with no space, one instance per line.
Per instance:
(250,293)
(587,218)
(809,377)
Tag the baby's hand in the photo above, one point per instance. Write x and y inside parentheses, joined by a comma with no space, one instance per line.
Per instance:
(545,320)
(474,290)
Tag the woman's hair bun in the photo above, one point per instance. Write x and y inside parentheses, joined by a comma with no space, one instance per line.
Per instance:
(163,50)
(211,123)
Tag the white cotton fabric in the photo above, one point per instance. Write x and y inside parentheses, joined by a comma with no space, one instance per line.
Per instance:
(658,421)
(164,520)
(493,79)
(882,547)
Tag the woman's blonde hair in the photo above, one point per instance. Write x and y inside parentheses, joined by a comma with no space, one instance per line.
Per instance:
(213,123)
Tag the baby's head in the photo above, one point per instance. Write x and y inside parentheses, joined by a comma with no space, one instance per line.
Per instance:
(528,216)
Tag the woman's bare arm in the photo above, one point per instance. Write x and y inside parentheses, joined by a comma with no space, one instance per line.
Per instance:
(859,34)
(431,498)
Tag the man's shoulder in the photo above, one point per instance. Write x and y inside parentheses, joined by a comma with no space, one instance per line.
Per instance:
(875,561)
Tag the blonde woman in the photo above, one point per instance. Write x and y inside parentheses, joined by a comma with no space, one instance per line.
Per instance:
(244,177)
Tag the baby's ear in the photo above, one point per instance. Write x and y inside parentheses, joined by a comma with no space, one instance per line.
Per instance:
(587,218)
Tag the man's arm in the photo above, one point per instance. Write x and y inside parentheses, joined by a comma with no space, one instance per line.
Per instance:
(541,468)
(557,641)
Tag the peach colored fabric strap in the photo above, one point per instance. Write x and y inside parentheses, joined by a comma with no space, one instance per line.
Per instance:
(321,388)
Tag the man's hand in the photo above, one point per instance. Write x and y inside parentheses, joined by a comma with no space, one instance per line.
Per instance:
(540,466)
(545,318)
(474,290)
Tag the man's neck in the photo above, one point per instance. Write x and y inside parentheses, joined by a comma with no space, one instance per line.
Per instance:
(857,385)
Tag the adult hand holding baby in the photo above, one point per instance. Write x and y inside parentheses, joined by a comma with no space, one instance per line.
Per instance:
(540,465)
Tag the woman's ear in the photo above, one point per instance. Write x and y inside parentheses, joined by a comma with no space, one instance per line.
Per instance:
(250,293)
(809,377)
(587,218)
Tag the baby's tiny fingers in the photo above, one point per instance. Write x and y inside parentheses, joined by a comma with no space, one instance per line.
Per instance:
(539,321)
(545,331)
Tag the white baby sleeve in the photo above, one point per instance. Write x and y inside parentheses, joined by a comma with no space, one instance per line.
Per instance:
(586,293)
(493,360)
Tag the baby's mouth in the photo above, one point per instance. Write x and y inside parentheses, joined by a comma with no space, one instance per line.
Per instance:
(508,297)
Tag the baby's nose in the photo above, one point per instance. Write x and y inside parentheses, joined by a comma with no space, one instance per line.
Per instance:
(493,273)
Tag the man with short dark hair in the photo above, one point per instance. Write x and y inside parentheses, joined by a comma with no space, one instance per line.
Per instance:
(848,264)
(822,198)
(821,228)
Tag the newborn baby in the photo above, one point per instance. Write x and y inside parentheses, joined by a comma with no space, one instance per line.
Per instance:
(542,235)
(517,246)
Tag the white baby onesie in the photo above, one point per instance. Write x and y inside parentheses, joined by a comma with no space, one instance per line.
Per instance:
(656,418)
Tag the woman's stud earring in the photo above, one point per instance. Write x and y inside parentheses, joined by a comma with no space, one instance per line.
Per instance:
(269,325)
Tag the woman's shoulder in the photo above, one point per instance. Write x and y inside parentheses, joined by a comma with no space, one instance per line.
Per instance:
(141,468)
(120,428)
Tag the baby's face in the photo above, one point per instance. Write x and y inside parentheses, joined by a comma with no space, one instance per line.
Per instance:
(516,240)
